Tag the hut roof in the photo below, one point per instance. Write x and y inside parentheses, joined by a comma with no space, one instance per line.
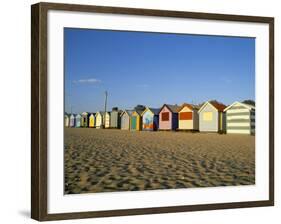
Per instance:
(100,112)
(190,106)
(248,106)
(153,110)
(218,106)
(173,108)
(129,112)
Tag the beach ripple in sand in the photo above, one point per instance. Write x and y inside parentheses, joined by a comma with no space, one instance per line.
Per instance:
(99,160)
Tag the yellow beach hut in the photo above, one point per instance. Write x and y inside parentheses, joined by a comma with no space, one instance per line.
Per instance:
(188,117)
(92,119)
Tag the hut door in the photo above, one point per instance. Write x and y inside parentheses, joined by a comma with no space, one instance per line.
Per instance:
(134,122)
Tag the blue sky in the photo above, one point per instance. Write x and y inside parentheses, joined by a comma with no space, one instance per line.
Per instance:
(153,69)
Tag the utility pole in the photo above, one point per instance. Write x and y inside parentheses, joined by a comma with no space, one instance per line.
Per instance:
(105,105)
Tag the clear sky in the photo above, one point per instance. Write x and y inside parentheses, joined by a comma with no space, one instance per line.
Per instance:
(153,69)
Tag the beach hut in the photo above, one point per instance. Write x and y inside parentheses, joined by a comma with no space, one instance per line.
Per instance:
(92,119)
(115,118)
(168,117)
(150,119)
(78,121)
(240,118)
(66,119)
(107,120)
(85,119)
(212,117)
(99,119)
(136,120)
(188,117)
(72,120)
(125,119)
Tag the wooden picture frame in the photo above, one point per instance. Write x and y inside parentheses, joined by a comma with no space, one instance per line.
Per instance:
(39,108)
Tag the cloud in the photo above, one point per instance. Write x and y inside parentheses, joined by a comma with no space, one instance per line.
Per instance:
(89,81)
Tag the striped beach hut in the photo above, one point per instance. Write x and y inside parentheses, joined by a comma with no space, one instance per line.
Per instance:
(125,119)
(150,119)
(212,117)
(168,117)
(78,121)
(85,119)
(72,119)
(188,117)
(136,120)
(115,118)
(99,119)
(240,118)
(107,119)
(92,119)
(66,119)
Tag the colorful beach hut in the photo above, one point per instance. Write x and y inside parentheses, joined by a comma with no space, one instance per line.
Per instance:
(99,119)
(188,117)
(240,118)
(66,119)
(168,117)
(136,120)
(125,119)
(150,119)
(92,119)
(72,119)
(115,118)
(78,121)
(212,117)
(107,120)
(85,119)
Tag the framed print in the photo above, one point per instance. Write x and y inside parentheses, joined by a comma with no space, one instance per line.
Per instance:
(141,111)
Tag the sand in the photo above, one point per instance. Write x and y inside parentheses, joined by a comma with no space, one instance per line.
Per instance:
(106,160)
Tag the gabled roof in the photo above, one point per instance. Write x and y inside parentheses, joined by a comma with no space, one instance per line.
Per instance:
(85,113)
(139,112)
(129,112)
(190,106)
(155,111)
(77,115)
(100,112)
(248,106)
(218,106)
(172,108)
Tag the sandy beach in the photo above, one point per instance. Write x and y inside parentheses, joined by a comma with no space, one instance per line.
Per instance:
(101,160)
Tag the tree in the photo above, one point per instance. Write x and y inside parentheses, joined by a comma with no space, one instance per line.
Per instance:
(140,107)
(250,102)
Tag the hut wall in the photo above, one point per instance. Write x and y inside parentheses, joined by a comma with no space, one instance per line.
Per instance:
(148,121)
(240,120)
(107,120)
(195,120)
(186,116)
(175,123)
(99,120)
(208,119)
(92,121)
(72,121)
(165,119)
(115,119)
(78,121)
(135,122)
(125,122)
(66,121)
